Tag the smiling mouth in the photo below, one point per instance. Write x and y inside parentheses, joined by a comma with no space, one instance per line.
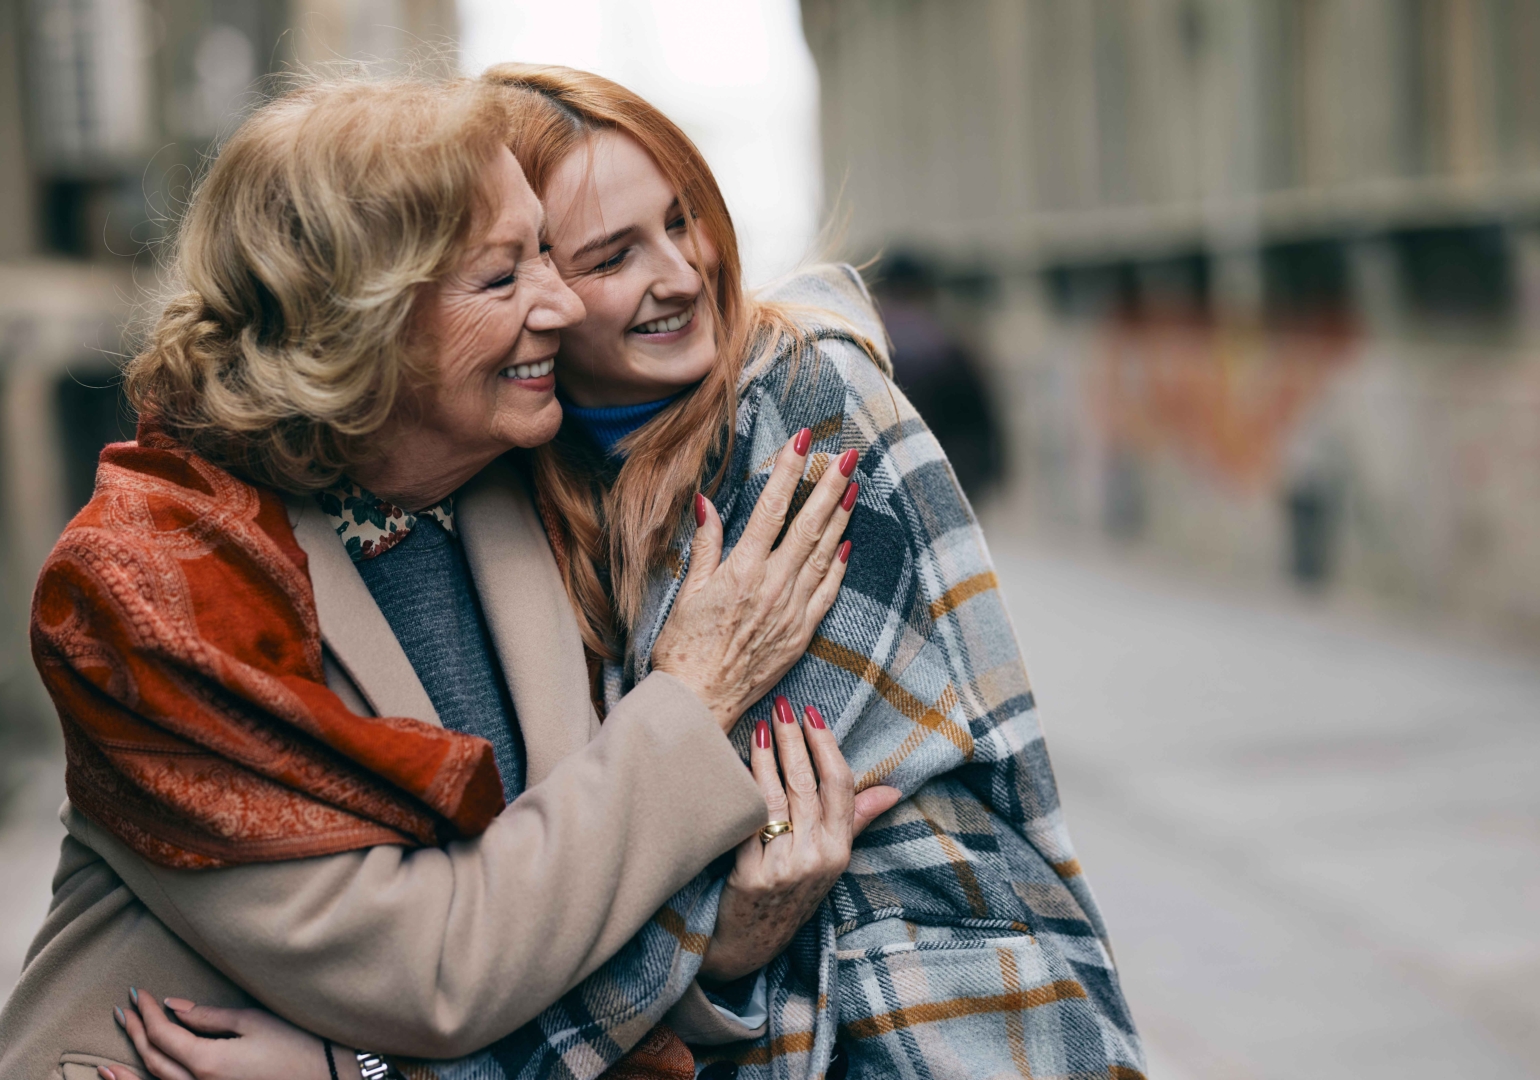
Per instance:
(668,325)
(529,371)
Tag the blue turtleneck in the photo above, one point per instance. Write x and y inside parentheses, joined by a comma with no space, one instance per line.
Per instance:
(607,426)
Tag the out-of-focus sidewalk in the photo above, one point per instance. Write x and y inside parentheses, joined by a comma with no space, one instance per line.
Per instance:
(1318,847)
(29,850)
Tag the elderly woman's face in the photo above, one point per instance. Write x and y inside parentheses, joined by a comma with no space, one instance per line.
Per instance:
(618,236)
(493,325)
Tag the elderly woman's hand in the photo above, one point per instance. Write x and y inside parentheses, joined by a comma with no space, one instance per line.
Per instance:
(739,624)
(775,887)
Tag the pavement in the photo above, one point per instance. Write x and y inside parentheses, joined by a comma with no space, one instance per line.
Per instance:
(1316,840)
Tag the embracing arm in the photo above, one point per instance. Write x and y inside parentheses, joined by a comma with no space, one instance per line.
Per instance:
(439,951)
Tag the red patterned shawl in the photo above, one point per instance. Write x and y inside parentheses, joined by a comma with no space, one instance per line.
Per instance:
(175,628)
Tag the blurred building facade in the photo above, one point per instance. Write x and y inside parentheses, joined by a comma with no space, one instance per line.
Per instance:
(1260,278)
(107,108)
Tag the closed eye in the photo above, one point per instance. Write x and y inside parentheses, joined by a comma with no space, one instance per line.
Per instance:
(502,282)
(614,260)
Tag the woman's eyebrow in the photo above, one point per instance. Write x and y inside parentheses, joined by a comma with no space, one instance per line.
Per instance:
(604,241)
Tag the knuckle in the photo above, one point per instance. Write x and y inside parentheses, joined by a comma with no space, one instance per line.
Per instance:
(801,780)
(775,504)
(820,561)
(806,528)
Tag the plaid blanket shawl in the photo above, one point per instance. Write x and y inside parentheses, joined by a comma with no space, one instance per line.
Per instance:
(963,941)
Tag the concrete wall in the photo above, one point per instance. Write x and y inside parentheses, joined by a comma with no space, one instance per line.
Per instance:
(1258,277)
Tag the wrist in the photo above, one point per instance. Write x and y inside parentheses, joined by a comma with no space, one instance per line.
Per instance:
(342,1061)
(722,966)
(725,713)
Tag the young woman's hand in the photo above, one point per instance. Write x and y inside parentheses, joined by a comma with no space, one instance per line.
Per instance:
(223,1044)
(775,887)
(739,624)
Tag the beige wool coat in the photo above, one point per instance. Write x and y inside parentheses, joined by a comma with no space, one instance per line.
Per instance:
(432,952)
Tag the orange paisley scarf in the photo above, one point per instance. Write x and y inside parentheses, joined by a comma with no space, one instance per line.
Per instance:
(175,629)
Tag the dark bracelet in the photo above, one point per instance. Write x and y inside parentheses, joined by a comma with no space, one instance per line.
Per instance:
(331,1062)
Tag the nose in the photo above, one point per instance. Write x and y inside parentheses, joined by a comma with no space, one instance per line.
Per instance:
(677,277)
(556,307)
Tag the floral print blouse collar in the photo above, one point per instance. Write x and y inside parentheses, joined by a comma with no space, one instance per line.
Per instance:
(370,526)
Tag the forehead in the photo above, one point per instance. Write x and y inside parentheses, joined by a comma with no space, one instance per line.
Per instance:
(609,173)
(515,209)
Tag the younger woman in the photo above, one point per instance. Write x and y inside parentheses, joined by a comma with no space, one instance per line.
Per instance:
(963,939)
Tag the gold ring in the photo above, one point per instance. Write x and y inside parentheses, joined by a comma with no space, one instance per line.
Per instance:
(772,830)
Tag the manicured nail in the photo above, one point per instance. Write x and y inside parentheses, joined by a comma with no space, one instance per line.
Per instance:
(803,440)
(133,995)
(844,552)
(762,735)
(783,711)
(179,1004)
(118,1013)
(814,717)
(105,1073)
(850,496)
(700,509)
(848,462)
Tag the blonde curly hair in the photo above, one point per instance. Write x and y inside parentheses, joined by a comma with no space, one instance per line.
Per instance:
(287,338)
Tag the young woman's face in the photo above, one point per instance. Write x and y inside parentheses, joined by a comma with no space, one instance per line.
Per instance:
(618,237)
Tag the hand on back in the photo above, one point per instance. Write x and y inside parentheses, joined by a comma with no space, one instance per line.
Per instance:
(202,1042)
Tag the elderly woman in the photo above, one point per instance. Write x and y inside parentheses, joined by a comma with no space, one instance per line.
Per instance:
(307,640)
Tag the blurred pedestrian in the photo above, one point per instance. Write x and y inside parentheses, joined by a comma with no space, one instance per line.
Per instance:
(940,374)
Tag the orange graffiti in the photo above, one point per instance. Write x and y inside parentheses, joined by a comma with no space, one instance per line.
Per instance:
(1225,399)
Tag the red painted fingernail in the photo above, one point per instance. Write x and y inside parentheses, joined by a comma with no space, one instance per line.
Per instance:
(850,496)
(762,735)
(814,717)
(700,509)
(783,711)
(803,440)
(844,552)
(848,462)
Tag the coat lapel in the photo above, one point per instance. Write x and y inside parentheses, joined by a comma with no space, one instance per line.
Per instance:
(530,619)
(353,627)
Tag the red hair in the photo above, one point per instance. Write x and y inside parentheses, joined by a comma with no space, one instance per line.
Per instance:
(551,112)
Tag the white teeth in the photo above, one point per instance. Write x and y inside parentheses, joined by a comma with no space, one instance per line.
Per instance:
(529,371)
(674,322)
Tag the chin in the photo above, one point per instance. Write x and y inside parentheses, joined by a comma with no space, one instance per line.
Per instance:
(681,373)
(537,430)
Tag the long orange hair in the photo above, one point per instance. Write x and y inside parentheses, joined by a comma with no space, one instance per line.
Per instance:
(616,527)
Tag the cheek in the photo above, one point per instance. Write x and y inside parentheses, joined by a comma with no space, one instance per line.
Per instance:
(609,309)
(466,329)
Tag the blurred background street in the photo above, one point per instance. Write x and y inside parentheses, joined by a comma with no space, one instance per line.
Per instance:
(1227,313)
